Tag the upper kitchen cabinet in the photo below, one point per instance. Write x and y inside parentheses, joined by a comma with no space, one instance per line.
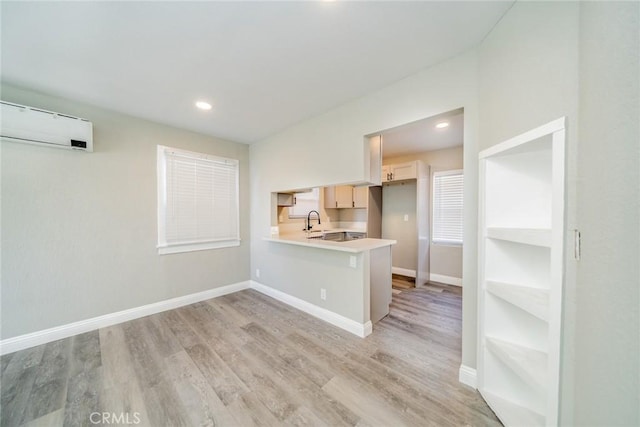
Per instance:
(286,199)
(346,196)
(360,197)
(338,196)
(399,172)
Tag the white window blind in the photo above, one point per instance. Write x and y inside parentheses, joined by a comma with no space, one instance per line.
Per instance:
(197,201)
(447,206)
(305,202)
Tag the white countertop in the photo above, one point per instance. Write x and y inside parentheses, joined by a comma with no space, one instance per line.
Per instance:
(353,246)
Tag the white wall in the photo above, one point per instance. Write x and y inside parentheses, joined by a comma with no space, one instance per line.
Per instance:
(328,149)
(607,326)
(581,60)
(79,229)
(542,61)
(445,260)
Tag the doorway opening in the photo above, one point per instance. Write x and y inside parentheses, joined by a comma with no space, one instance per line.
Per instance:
(413,155)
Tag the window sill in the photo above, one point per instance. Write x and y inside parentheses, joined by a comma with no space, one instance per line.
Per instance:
(192,247)
(446,243)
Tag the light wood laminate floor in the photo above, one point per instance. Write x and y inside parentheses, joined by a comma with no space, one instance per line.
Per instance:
(246,359)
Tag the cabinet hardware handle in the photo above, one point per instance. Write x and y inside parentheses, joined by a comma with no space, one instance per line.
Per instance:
(336,203)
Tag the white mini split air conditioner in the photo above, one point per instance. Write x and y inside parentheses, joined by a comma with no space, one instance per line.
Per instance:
(19,123)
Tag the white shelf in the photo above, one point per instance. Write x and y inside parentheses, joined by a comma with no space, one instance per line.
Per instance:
(521,200)
(527,363)
(528,236)
(512,414)
(534,301)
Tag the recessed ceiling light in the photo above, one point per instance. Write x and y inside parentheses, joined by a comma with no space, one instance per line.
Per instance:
(203,105)
(442,125)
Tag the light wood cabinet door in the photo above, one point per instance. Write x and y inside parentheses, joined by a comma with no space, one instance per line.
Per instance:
(286,199)
(403,171)
(386,173)
(338,196)
(360,197)
(344,196)
(399,172)
(330,198)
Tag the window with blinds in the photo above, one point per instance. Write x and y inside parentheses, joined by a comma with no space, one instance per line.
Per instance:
(198,204)
(447,206)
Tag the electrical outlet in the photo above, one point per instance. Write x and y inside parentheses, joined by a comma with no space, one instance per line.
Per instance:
(323,294)
(352,261)
(406,218)
(257,272)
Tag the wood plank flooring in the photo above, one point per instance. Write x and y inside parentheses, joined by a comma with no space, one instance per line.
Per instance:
(247,360)
(402,282)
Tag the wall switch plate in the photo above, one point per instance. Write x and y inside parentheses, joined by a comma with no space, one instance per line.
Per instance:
(323,294)
(406,218)
(352,261)
(257,272)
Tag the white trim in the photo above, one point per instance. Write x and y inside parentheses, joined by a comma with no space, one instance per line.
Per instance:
(359,329)
(468,376)
(192,247)
(33,339)
(532,135)
(403,272)
(446,172)
(447,280)
(45,336)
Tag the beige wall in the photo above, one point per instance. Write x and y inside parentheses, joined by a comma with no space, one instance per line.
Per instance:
(398,200)
(445,260)
(79,229)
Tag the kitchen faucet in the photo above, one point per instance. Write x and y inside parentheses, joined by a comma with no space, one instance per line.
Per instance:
(309,220)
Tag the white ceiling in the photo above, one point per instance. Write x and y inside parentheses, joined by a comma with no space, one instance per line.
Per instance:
(263,65)
(423,135)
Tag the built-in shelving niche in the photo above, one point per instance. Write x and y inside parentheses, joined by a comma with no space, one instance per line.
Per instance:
(520,252)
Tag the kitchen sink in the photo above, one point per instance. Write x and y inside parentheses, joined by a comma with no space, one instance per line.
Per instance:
(339,236)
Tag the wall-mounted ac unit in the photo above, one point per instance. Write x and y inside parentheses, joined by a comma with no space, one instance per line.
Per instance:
(19,123)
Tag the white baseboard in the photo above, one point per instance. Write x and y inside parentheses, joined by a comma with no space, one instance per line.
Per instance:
(21,342)
(45,336)
(403,272)
(359,329)
(468,376)
(447,280)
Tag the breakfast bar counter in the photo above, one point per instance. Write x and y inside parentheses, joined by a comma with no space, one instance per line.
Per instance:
(353,246)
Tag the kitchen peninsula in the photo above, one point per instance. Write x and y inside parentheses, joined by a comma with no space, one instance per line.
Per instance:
(347,283)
